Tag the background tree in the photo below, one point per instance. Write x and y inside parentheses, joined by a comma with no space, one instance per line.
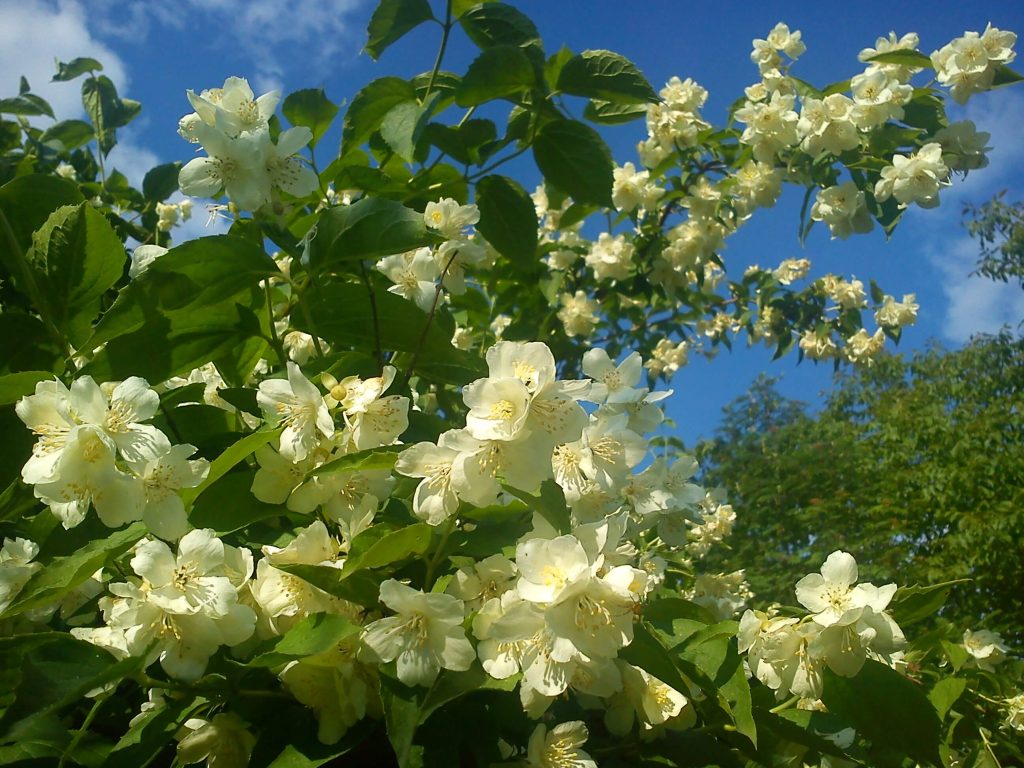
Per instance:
(919,461)
(999,228)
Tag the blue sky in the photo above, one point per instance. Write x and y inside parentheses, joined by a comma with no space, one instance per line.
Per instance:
(155,51)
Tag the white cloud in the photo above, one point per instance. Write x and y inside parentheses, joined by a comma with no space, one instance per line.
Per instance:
(976,304)
(279,35)
(35,33)
(1000,113)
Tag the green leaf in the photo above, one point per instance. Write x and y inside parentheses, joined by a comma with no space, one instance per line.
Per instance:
(886,708)
(392,20)
(609,113)
(72,69)
(913,604)
(26,202)
(647,652)
(903,57)
(79,257)
(493,24)
(53,670)
(107,110)
(606,76)
(497,72)
(70,134)
(65,573)
(230,458)
(28,104)
(508,220)
(369,107)
(161,182)
(1005,76)
(194,304)
(14,386)
(392,547)
(151,733)
(314,634)
(362,588)
(372,458)
(310,108)
(344,315)
(550,504)
(575,159)
(368,229)
(228,505)
(945,694)
(465,142)
(402,128)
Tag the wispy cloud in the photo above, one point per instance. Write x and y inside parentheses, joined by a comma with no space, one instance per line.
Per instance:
(976,304)
(280,36)
(36,33)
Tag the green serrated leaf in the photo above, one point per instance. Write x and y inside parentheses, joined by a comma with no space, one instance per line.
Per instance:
(62,575)
(310,108)
(945,694)
(508,220)
(71,69)
(70,134)
(877,698)
(493,24)
(606,76)
(392,20)
(575,159)
(368,108)
(372,458)
(903,57)
(609,113)
(27,104)
(161,182)
(498,72)
(402,128)
(314,634)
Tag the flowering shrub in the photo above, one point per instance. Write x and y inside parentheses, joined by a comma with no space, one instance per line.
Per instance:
(392,493)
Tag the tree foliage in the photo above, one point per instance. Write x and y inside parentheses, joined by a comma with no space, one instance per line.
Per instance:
(918,463)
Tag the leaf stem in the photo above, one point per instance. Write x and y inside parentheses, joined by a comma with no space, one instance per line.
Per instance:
(373,312)
(440,52)
(426,326)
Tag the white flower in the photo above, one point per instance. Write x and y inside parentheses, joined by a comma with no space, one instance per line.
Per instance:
(142,257)
(425,636)
(414,275)
(223,742)
(234,166)
(86,474)
(968,64)
(907,42)
(611,257)
(551,569)
(896,314)
(578,313)
(1015,712)
(559,747)
(632,189)
(613,383)
(827,125)
(771,126)
(449,218)
(191,582)
(232,107)
(844,208)
(862,347)
(297,405)
(435,499)
(963,146)
(164,513)
(831,594)
(914,179)
(986,647)
(16,568)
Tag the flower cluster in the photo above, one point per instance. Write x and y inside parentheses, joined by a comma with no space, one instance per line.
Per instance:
(242,160)
(848,622)
(968,64)
(94,448)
